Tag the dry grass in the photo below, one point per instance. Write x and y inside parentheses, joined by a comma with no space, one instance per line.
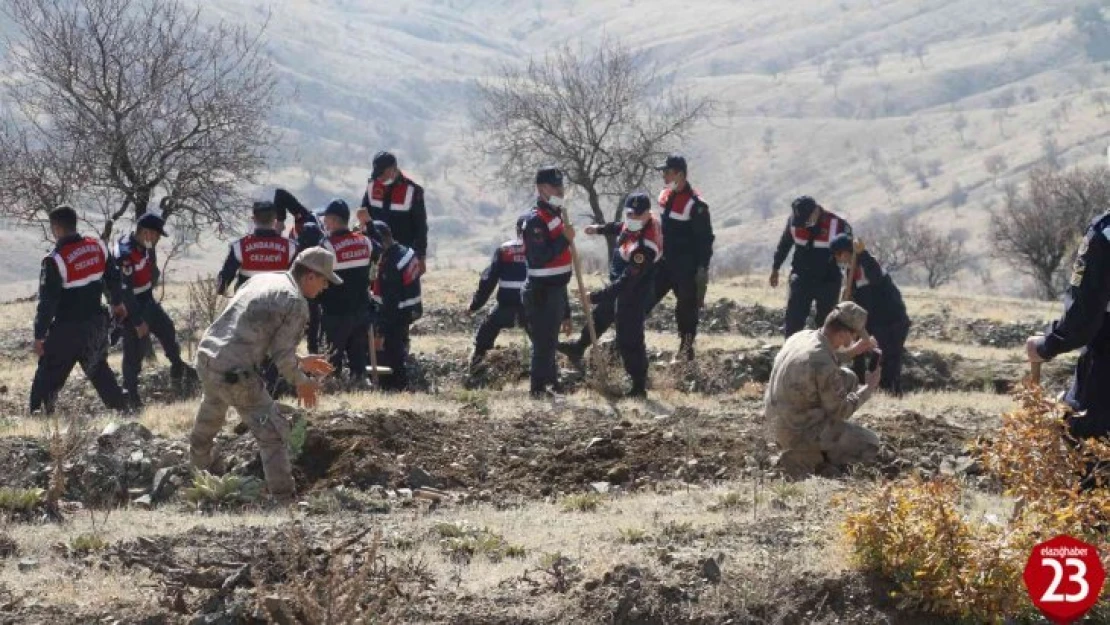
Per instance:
(60,581)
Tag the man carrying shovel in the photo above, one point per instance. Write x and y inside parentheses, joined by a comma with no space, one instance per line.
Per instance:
(631,288)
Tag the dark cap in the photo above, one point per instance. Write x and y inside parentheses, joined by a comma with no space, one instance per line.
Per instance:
(150,221)
(382,162)
(521,220)
(638,203)
(842,243)
(381,229)
(338,208)
(549,174)
(802,207)
(677,162)
(64,216)
(263,206)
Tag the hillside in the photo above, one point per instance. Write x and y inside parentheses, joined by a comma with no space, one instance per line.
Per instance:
(858,103)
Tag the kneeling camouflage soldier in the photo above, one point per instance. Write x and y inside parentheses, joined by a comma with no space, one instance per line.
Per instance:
(141,314)
(630,291)
(71,322)
(506,273)
(810,397)
(265,319)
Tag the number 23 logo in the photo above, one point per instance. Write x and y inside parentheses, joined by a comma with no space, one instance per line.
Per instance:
(1052,594)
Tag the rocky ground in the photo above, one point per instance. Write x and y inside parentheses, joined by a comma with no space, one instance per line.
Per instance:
(469,503)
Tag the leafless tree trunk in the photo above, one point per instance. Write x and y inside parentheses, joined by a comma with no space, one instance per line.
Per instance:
(602,115)
(1039,230)
(127,100)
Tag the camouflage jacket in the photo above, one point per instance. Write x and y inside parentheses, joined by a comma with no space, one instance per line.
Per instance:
(809,390)
(267,317)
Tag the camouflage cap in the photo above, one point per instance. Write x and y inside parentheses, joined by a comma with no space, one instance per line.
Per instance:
(852,315)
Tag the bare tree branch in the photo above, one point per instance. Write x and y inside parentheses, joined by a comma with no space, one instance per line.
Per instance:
(601,114)
(117,101)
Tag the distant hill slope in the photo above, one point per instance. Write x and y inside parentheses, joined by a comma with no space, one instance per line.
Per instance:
(855,102)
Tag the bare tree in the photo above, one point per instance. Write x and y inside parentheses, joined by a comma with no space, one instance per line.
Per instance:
(834,75)
(1101,99)
(940,257)
(600,114)
(920,51)
(959,124)
(768,140)
(874,60)
(127,99)
(957,197)
(905,246)
(911,129)
(996,165)
(1038,231)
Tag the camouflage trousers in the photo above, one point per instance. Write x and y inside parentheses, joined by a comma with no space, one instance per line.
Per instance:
(256,409)
(838,444)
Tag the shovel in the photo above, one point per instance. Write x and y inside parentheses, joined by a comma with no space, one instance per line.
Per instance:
(583,295)
(374,370)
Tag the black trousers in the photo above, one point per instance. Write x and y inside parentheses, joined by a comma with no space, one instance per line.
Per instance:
(677,275)
(892,342)
(545,307)
(804,294)
(313,333)
(502,317)
(631,313)
(162,328)
(70,343)
(394,354)
(347,339)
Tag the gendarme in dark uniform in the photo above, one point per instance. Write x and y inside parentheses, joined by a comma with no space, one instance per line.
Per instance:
(71,322)
(815,278)
(887,321)
(547,243)
(1084,325)
(684,269)
(629,293)
(396,293)
(265,250)
(392,197)
(346,307)
(138,269)
(506,273)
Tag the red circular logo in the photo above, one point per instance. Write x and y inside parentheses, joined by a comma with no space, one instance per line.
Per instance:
(1064,577)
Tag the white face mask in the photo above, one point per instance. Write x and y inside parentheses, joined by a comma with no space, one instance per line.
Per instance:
(632,224)
(148,244)
(555,201)
(843,267)
(388,181)
(671,186)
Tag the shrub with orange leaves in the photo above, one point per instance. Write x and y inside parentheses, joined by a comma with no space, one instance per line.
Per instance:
(943,559)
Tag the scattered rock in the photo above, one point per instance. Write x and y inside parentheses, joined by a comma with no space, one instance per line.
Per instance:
(419,478)
(144,502)
(600,487)
(710,570)
(27,565)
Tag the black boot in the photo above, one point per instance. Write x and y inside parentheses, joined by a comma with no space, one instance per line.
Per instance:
(639,391)
(476,358)
(686,348)
(573,350)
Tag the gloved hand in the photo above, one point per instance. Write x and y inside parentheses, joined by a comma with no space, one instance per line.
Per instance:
(701,282)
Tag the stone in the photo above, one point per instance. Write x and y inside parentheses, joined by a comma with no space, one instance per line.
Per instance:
(618,474)
(28,564)
(405,493)
(600,487)
(163,487)
(596,442)
(419,478)
(710,570)
(668,436)
(144,502)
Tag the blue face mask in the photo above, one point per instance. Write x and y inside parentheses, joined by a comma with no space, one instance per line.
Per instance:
(632,224)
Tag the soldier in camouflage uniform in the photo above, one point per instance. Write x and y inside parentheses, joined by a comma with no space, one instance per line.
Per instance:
(810,396)
(265,319)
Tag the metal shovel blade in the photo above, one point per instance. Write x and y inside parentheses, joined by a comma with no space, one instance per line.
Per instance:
(379,370)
